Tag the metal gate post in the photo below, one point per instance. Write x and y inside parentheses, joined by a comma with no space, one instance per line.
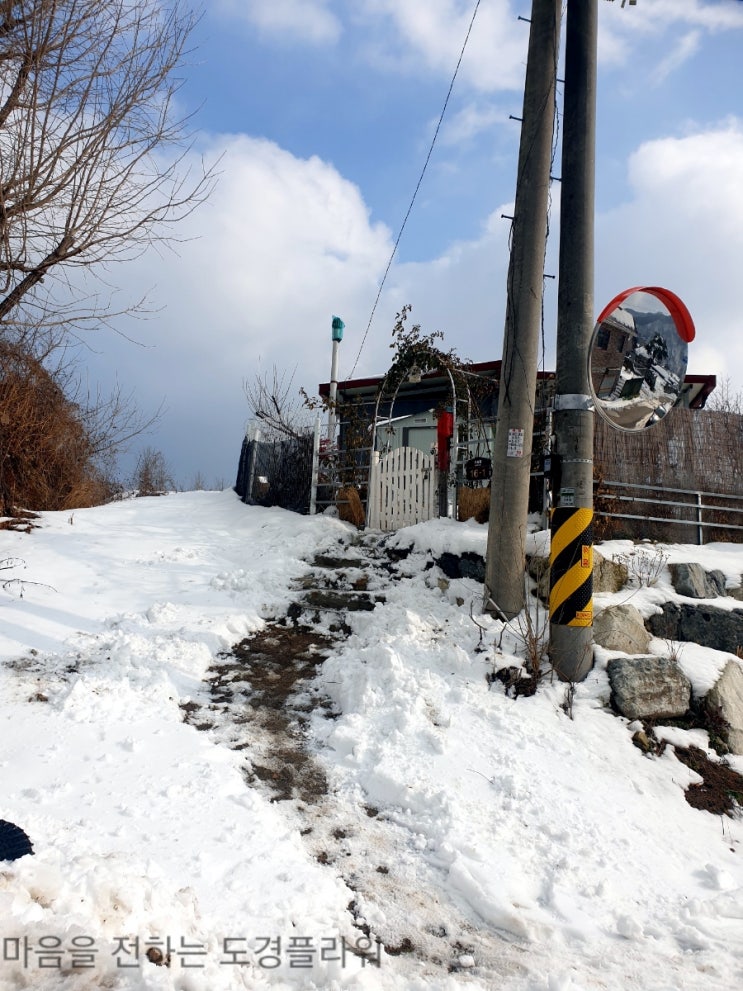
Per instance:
(255,436)
(315,466)
(700,528)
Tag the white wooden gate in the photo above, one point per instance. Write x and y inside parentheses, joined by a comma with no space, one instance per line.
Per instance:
(402,489)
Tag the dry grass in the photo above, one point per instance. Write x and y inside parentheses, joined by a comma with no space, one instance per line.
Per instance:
(473,504)
(350,507)
(47,456)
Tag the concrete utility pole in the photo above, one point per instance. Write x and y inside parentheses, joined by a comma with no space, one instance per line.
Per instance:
(571,556)
(509,497)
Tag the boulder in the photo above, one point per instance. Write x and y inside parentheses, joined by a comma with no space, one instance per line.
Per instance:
(621,628)
(727,697)
(466,565)
(718,582)
(608,576)
(649,687)
(538,567)
(709,626)
(696,583)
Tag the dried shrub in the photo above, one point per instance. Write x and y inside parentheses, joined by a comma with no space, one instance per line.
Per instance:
(152,476)
(644,565)
(350,507)
(48,455)
(473,504)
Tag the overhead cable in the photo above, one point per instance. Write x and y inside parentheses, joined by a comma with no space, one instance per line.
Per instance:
(415,193)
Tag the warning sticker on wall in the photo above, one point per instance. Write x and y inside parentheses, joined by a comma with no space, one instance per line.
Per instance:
(515,444)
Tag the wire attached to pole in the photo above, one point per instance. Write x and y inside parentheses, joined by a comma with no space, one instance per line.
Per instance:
(418,186)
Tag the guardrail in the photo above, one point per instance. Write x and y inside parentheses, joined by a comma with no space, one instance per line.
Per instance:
(729,509)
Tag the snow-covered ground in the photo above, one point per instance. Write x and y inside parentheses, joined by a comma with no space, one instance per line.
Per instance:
(486,841)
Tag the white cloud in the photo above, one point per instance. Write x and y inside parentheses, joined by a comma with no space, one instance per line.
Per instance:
(712,15)
(471,121)
(310,21)
(685,48)
(622,30)
(282,245)
(408,33)
(684,229)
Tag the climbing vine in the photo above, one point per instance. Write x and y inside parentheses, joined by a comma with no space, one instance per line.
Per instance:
(414,350)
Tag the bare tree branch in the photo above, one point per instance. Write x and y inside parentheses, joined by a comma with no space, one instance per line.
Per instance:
(92,154)
(271,401)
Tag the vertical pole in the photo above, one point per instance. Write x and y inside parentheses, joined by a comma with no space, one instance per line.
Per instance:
(315,466)
(509,496)
(333,393)
(254,442)
(451,478)
(546,481)
(373,500)
(700,530)
(571,555)
(337,336)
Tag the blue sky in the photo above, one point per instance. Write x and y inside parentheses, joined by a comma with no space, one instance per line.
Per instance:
(323,112)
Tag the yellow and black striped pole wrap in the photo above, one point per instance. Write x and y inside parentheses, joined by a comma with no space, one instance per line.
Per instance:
(571,566)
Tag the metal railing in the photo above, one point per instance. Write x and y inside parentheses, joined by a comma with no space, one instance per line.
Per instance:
(730,506)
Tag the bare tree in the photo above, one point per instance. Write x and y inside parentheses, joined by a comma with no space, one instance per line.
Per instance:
(111,422)
(272,401)
(92,155)
(152,476)
(725,400)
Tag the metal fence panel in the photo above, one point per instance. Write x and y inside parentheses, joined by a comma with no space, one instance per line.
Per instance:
(276,473)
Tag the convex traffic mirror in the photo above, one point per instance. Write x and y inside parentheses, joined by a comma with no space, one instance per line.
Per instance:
(638,357)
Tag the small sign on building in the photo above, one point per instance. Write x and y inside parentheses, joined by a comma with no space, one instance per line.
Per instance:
(478,469)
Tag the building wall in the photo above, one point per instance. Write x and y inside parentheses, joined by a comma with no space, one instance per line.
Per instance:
(417,430)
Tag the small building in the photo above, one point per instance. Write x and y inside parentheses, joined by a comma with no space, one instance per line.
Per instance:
(409,418)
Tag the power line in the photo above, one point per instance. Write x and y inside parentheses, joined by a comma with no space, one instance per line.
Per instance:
(418,186)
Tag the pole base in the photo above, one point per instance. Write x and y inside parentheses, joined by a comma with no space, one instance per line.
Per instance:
(571,651)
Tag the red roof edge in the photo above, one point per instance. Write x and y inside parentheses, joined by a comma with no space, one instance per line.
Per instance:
(708,383)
